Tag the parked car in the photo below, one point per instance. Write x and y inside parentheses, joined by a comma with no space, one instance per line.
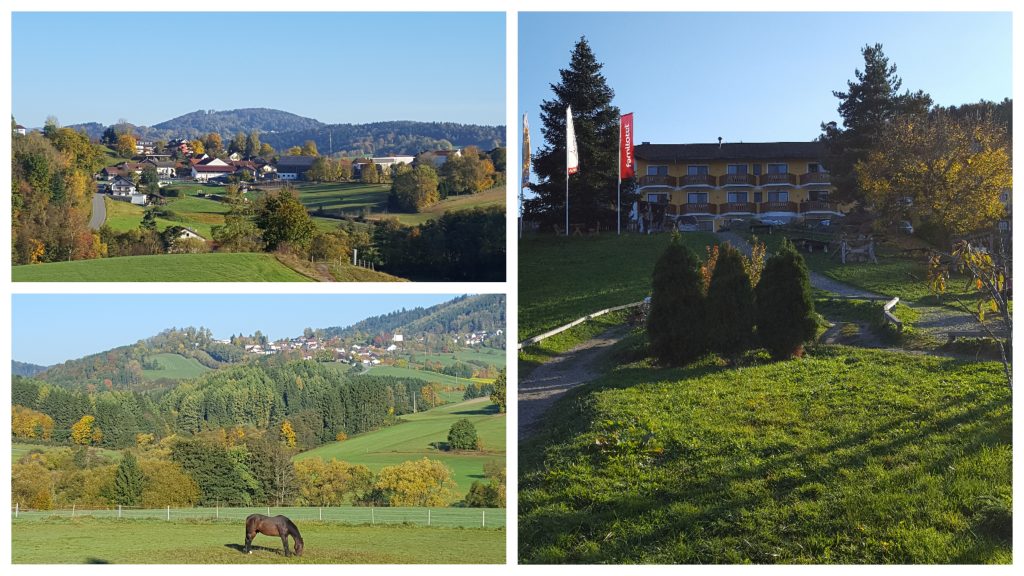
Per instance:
(687,224)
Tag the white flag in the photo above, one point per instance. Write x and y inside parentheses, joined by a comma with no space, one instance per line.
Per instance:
(572,156)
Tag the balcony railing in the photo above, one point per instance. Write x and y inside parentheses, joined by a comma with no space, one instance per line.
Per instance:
(818,206)
(658,181)
(737,180)
(815,178)
(778,207)
(697,180)
(703,208)
(746,207)
(778,179)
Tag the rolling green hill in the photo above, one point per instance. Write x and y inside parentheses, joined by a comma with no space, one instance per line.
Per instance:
(492,356)
(174,367)
(411,440)
(214,267)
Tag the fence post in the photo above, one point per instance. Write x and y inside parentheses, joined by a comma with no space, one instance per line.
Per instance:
(119,511)
(16,509)
(218,511)
(168,513)
(428,516)
(483,518)
(72,510)
(321,513)
(372,522)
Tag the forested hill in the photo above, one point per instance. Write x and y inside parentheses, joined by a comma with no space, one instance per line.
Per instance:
(484,312)
(282,130)
(25,369)
(122,367)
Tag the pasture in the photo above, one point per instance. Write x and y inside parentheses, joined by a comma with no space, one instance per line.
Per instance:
(425,375)
(344,197)
(136,541)
(492,356)
(213,267)
(199,214)
(848,456)
(174,367)
(412,439)
(491,197)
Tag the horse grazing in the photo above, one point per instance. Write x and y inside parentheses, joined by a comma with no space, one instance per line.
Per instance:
(272,526)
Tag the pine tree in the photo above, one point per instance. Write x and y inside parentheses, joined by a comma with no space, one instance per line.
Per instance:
(595,120)
(677,307)
(128,481)
(785,311)
(730,305)
(866,107)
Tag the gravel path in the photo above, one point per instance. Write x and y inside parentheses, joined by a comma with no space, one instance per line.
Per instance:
(99,212)
(549,381)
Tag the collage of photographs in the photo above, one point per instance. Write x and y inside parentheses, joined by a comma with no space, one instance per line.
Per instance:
(428,290)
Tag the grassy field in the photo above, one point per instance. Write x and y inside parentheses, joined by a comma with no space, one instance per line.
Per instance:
(351,197)
(411,440)
(425,375)
(847,456)
(215,267)
(19,449)
(562,279)
(174,367)
(198,214)
(492,197)
(78,541)
(491,356)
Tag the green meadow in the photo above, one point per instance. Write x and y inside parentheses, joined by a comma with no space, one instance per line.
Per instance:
(174,367)
(212,267)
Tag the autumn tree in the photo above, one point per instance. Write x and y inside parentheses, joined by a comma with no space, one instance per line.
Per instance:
(252,144)
(596,123)
(309,148)
(288,434)
(213,144)
(498,395)
(424,482)
(82,431)
(284,220)
(197,147)
(237,144)
(125,145)
(866,107)
(953,170)
(331,483)
(166,484)
(266,151)
(27,423)
(414,189)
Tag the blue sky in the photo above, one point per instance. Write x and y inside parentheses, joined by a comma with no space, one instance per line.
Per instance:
(335,67)
(755,77)
(52,328)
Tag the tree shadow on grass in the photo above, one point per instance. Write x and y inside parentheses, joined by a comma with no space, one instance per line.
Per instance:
(488,411)
(96,561)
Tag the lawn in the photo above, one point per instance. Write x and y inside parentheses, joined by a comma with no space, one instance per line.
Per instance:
(174,367)
(199,214)
(562,279)
(411,440)
(214,267)
(112,541)
(425,375)
(491,197)
(492,356)
(848,456)
(350,197)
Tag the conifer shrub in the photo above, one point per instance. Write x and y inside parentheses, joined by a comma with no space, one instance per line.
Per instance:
(729,319)
(785,311)
(676,312)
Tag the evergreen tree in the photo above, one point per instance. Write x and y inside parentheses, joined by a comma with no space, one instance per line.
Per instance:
(128,481)
(730,305)
(785,311)
(677,307)
(595,120)
(866,107)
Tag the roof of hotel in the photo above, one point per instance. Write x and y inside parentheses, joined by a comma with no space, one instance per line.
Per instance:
(730,151)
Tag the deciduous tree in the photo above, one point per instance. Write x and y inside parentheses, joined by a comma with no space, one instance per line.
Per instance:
(126,145)
(416,483)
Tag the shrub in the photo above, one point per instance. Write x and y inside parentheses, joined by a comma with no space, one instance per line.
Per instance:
(785,312)
(677,307)
(730,305)
(462,435)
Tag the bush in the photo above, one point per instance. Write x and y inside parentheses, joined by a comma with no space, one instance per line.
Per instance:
(462,436)
(677,306)
(785,312)
(730,305)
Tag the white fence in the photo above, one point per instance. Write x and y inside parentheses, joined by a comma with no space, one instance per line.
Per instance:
(442,517)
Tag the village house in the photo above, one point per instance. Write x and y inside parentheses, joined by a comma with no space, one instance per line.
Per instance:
(441,156)
(121,186)
(714,183)
(165,168)
(294,167)
(19,129)
(210,169)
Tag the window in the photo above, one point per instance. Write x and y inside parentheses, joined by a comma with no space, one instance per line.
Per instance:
(778,168)
(736,197)
(657,170)
(818,195)
(757,197)
(738,169)
(657,198)
(697,198)
(778,196)
(757,169)
(814,168)
(696,170)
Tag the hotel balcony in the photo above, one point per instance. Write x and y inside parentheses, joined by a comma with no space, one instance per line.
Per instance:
(704,208)
(778,207)
(665,181)
(738,208)
(778,180)
(815,178)
(704,180)
(819,206)
(737,180)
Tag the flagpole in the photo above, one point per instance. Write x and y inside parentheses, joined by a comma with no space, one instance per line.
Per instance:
(618,188)
(567,191)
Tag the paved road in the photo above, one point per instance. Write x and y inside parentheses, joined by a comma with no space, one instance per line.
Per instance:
(551,380)
(99,211)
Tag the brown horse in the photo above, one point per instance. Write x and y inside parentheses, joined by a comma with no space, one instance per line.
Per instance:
(276,526)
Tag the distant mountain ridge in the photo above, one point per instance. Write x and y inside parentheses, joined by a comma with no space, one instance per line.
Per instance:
(283,130)
(25,368)
(484,312)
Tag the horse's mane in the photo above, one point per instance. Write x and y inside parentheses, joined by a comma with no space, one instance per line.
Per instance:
(293,529)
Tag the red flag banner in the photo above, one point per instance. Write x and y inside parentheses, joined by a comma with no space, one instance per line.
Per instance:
(572,155)
(627,169)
